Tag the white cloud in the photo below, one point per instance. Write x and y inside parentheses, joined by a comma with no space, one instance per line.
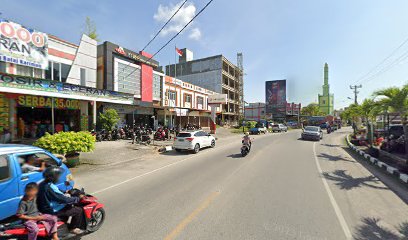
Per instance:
(185,14)
(195,34)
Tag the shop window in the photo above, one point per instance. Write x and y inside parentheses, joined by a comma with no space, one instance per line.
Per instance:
(56,71)
(83,76)
(2,67)
(156,86)
(200,102)
(65,68)
(48,71)
(37,73)
(4,168)
(127,77)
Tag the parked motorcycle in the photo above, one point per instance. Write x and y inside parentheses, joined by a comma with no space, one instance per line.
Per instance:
(160,135)
(94,216)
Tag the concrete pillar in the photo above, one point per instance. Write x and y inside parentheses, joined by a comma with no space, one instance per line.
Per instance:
(94,115)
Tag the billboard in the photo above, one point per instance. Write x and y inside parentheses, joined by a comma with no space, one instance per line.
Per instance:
(23,46)
(275,93)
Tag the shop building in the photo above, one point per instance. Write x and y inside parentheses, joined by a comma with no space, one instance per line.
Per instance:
(184,103)
(122,70)
(48,84)
(215,73)
(255,111)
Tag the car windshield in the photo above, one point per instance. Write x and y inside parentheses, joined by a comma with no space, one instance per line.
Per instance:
(312,129)
(184,135)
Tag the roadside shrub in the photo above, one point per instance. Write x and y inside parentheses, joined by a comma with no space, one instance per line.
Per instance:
(109,119)
(250,124)
(67,142)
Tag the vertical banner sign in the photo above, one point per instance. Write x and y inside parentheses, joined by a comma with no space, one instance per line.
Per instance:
(275,93)
(4,112)
(23,46)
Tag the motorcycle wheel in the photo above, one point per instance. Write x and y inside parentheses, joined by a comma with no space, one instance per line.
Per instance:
(98,217)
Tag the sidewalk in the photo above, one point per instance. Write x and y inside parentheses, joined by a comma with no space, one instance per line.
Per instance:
(121,151)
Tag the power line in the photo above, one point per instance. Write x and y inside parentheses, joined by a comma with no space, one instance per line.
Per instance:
(367,75)
(183,28)
(161,29)
(171,39)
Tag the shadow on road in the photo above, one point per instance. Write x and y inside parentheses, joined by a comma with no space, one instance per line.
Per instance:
(371,230)
(347,182)
(236,155)
(334,158)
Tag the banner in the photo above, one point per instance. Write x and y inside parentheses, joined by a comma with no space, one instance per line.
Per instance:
(23,46)
(46,102)
(181,111)
(275,93)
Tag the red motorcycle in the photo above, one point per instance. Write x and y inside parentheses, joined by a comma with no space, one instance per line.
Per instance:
(94,216)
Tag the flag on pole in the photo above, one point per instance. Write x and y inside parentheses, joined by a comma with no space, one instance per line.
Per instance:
(179,52)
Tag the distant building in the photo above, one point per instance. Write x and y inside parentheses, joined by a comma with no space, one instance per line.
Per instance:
(326,100)
(215,73)
(255,111)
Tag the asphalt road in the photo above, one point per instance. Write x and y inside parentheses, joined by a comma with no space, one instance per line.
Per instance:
(284,189)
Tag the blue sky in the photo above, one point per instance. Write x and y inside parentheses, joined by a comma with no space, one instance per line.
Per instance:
(280,39)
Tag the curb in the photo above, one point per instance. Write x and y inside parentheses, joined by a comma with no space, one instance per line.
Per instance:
(376,162)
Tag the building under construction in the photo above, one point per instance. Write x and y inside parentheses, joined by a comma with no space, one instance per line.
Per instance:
(217,74)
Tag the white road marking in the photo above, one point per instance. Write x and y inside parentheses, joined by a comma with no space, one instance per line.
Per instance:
(333,202)
(158,169)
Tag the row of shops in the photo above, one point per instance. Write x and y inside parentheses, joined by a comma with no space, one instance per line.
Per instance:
(50,85)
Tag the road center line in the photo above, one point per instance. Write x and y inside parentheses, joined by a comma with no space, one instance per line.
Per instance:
(333,202)
(180,227)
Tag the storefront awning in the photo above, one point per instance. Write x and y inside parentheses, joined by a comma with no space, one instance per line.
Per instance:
(43,87)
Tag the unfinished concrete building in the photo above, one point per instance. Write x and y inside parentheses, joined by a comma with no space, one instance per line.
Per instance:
(217,74)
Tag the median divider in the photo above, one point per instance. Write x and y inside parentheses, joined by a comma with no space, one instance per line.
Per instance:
(376,162)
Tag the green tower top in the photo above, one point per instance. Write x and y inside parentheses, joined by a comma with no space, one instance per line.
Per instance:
(326,90)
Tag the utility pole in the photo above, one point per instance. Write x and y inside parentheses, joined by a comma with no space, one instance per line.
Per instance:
(354,88)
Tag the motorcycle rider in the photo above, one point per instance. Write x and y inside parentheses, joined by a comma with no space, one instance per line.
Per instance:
(246,140)
(52,201)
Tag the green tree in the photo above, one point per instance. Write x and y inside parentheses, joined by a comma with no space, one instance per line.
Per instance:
(312,110)
(108,119)
(395,100)
(90,29)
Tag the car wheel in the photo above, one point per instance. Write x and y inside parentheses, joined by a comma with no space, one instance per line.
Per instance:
(196,148)
(177,150)
(213,143)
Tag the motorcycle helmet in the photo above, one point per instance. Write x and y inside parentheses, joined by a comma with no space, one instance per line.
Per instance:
(246,133)
(52,174)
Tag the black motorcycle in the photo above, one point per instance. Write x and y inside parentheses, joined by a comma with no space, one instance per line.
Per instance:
(245,149)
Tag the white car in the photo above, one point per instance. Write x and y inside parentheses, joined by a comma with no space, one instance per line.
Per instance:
(193,140)
(279,128)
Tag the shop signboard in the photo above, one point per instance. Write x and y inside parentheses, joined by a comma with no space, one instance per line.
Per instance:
(135,56)
(181,112)
(46,102)
(29,83)
(23,46)
(295,108)
(217,99)
(4,112)
(275,93)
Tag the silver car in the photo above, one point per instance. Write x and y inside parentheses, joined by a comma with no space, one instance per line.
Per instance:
(279,128)
(312,133)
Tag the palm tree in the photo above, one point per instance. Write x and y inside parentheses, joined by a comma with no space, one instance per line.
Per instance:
(396,100)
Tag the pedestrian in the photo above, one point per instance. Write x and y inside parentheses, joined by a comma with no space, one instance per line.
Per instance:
(28,212)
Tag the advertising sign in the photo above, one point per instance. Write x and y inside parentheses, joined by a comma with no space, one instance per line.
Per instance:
(181,111)
(21,82)
(46,102)
(23,46)
(217,99)
(275,93)
(295,108)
